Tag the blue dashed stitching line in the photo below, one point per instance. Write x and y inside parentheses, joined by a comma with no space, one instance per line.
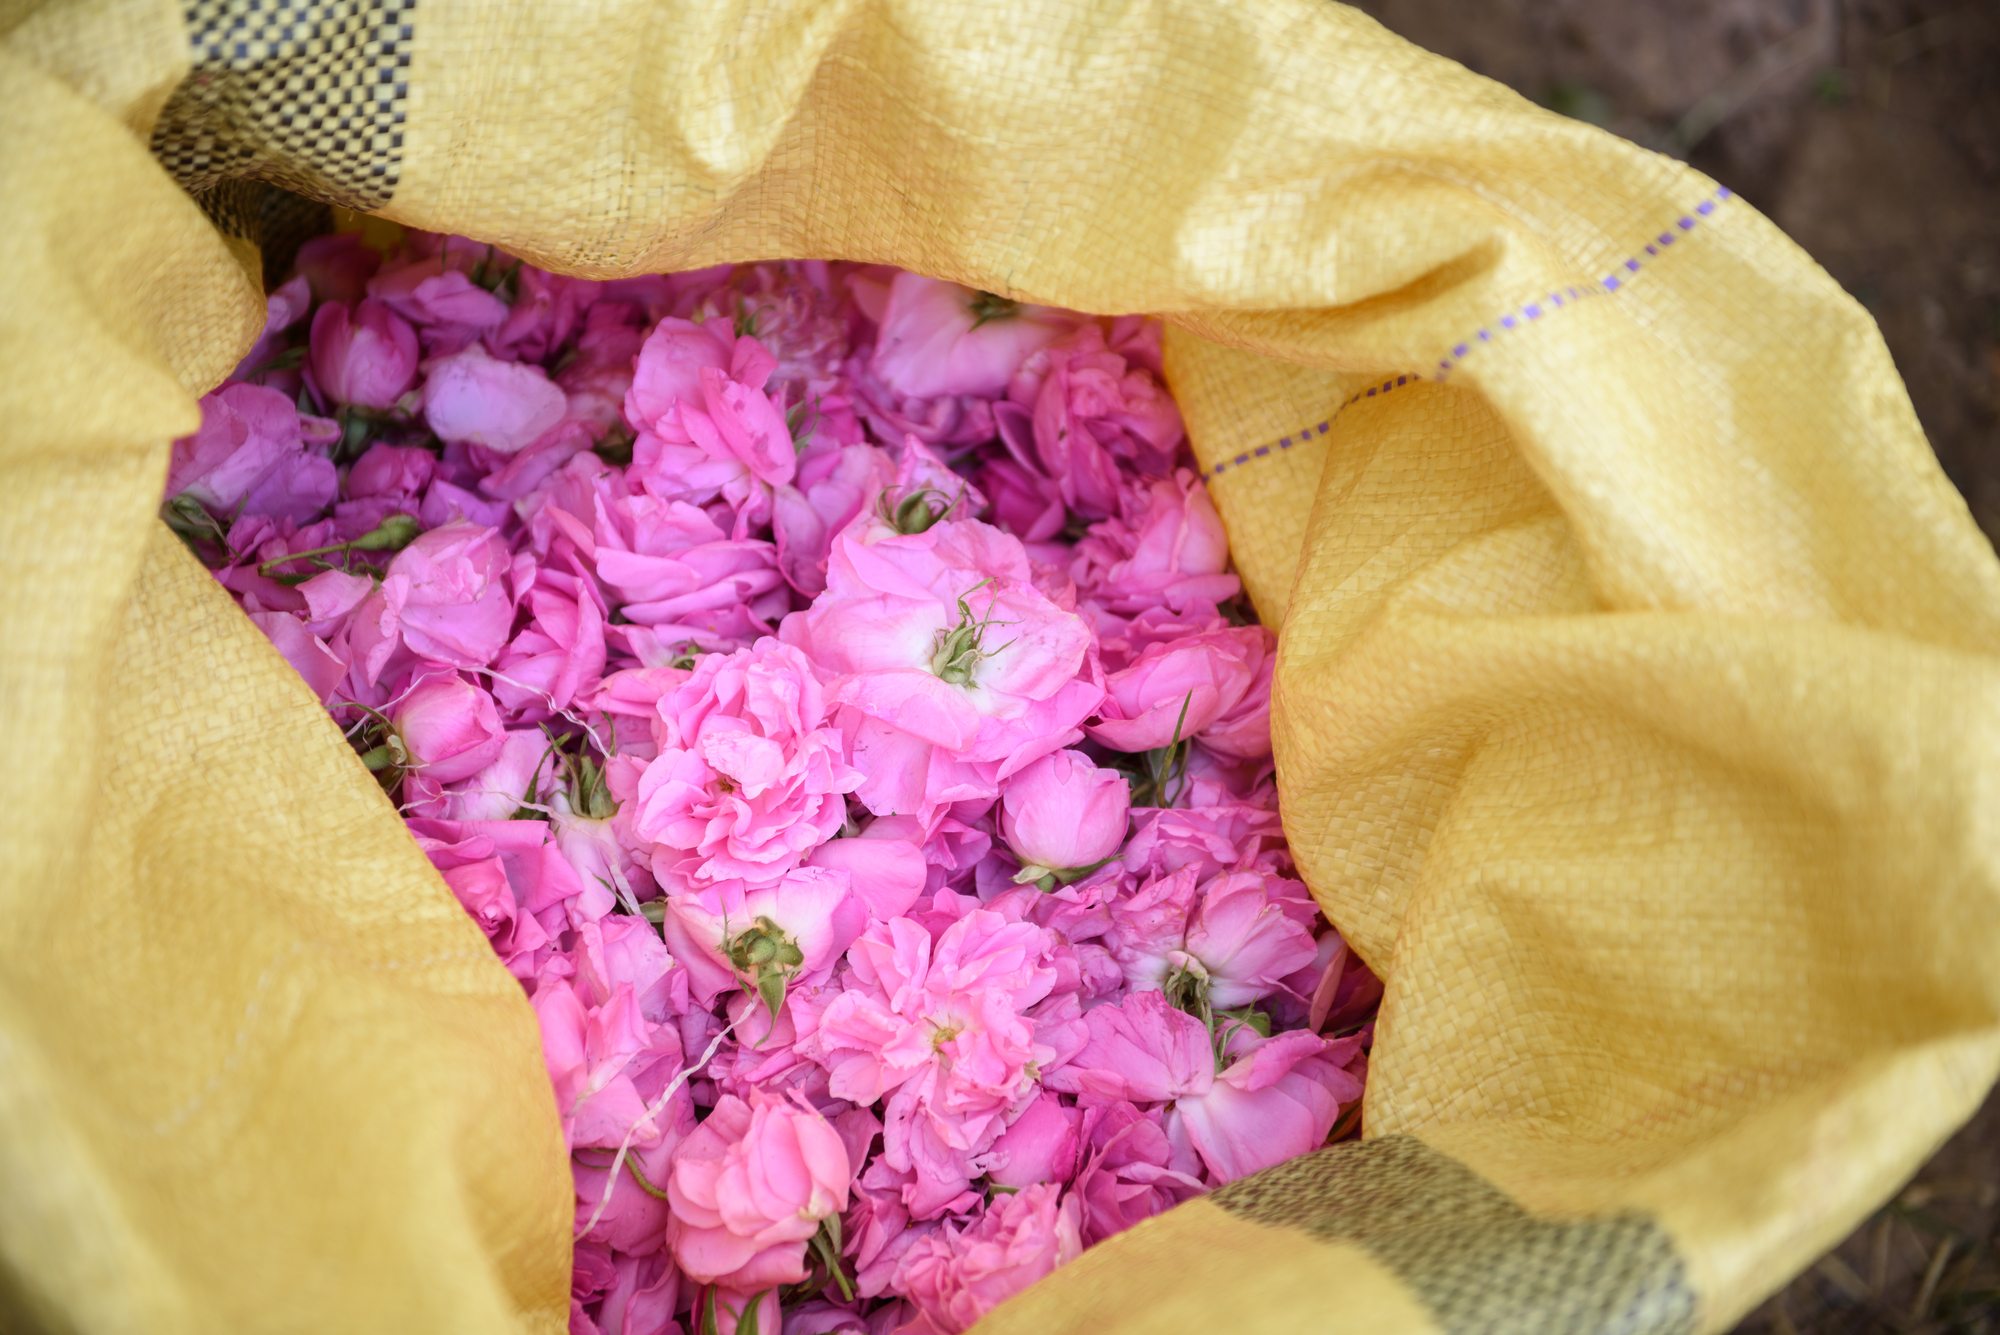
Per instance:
(1527,314)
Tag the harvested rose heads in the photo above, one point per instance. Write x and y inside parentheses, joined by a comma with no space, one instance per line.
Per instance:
(826,688)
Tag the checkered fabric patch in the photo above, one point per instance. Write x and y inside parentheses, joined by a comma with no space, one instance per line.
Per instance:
(1468,1252)
(309,95)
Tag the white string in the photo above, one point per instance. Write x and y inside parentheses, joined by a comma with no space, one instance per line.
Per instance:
(550,701)
(618,1160)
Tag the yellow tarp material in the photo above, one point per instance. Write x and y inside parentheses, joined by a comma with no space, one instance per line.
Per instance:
(1638,700)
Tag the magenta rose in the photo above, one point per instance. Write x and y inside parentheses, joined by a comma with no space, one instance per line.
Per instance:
(366,357)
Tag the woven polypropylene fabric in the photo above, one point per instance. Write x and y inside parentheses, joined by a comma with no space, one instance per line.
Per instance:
(1636,702)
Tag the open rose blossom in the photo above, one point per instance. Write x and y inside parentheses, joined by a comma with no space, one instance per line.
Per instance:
(827,690)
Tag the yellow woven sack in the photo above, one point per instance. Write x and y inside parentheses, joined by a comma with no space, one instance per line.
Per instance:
(1636,702)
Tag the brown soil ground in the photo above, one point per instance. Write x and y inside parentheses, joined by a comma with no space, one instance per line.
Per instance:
(1870,131)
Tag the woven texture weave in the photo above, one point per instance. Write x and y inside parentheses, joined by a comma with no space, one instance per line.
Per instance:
(1638,699)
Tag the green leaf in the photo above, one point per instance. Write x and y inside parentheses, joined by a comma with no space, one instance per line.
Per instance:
(771,987)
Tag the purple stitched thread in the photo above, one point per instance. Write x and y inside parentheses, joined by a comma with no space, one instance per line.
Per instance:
(1611,282)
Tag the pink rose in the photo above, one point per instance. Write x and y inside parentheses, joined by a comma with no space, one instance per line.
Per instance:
(1178,688)
(952,670)
(505,406)
(1063,816)
(834,484)
(1278,1101)
(944,1030)
(748,1189)
(1166,548)
(1243,731)
(1218,838)
(609,1063)
(1227,942)
(1039,1145)
(448,728)
(367,357)
(705,426)
(1130,1173)
(666,563)
(764,938)
(396,473)
(1081,414)
(444,598)
(938,338)
(749,777)
(957,1275)
(249,457)
(560,654)
(322,669)
(510,878)
(887,870)
(443,302)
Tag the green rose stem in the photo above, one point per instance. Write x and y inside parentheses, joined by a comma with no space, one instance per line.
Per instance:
(391,535)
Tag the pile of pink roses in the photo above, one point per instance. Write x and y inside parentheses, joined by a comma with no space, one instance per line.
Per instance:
(826,688)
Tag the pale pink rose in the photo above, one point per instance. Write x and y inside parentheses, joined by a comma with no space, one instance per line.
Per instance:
(633,1219)
(448,727)
(1165,547)
(764,938)
(952,670)
(473,397)
(937,338)
(1063,815)
(366,357)
(249,457)
(444,598)
(748,777)
(1039,1145)
(957,1275)
(942,1029)
(1178,688)
(749,1187)
(1129,1173)
(705,425)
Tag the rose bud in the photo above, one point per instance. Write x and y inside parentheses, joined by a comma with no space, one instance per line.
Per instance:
(449,728)
(367,358)
(1063,817)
